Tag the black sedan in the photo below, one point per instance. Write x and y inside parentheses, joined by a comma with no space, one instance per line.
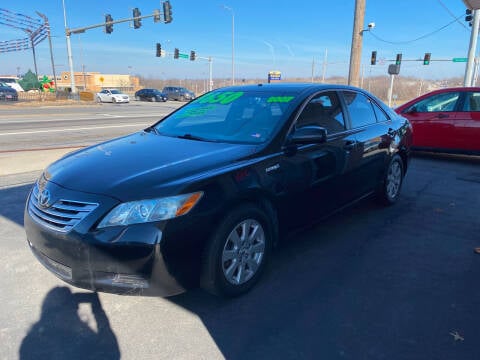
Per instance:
(7,93)
(150,95)
(202,196)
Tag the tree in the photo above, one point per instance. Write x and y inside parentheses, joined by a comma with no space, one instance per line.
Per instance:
(30,81)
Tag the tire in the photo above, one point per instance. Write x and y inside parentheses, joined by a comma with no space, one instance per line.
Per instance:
(232,262)
(99,100)
(114,101)
(389,191)
(137,98)
(153,99)
(182,98)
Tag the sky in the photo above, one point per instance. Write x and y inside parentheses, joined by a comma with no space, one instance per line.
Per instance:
(297,38)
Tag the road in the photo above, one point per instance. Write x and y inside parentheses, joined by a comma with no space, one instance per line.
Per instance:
(47,127)
(369,283)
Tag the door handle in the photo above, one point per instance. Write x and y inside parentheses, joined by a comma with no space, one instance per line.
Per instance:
(442,116)
(349,145)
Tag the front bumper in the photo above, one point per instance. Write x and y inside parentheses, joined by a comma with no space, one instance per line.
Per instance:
(123,260)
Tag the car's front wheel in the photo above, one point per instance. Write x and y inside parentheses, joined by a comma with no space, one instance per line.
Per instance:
(153,99)
(237,253)
(114,100)
(99,100)
(390,189)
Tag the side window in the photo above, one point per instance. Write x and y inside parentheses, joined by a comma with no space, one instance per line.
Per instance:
(381,116)
(441,102)
(360,109)
(472,102)
(323,110)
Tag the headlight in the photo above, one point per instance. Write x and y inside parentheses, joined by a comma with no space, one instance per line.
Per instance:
(136,212)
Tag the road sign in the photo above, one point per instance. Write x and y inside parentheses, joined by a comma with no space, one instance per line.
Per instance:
(459,59)
(183,56)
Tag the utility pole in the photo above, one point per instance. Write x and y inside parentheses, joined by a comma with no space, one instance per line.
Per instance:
(357,39)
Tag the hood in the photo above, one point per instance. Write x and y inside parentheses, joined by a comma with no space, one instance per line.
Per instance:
(141,164)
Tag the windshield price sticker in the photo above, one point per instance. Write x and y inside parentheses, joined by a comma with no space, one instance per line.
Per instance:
(223,98)
(280,99)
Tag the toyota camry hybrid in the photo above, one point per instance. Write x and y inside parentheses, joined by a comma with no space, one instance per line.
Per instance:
(201,197)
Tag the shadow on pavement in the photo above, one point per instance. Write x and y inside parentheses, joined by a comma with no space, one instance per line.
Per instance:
(61,334)
(369,283)
(12,202)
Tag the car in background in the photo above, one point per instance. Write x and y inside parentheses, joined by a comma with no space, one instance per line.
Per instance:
(113,96)
(7,93)
(202,196)
(178,93)
(445,120)
(150,95)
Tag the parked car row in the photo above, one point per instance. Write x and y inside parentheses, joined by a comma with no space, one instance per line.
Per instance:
(168,93)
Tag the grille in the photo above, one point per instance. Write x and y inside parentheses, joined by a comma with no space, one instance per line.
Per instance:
(61,216)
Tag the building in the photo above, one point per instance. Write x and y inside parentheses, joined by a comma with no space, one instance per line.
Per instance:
(95,81)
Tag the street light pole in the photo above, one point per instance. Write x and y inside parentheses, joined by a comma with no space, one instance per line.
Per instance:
(69,51)
(233,42)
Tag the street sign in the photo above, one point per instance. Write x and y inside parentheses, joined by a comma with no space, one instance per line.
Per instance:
(183,56)
(459,59)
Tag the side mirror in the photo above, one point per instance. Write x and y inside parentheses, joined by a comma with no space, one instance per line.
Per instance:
(310,134)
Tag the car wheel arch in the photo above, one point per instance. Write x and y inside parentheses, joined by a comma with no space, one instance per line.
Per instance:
(243,210)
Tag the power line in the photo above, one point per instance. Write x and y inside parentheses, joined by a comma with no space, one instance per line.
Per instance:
(452,14)
(419,38)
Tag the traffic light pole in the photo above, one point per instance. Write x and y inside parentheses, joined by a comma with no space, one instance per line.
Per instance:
(83,29)
(210,60)
(69,32)
(467,81)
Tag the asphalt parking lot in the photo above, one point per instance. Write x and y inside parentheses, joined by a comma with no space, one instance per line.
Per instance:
(368,283)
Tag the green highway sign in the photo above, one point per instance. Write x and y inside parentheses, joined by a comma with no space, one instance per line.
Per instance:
(183,56)
(459,59)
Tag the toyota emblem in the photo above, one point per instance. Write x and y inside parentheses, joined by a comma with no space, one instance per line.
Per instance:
(44,198)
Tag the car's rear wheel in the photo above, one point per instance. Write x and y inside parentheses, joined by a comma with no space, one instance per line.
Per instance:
(392,184)
(137,98)
(236,255)
(153,99)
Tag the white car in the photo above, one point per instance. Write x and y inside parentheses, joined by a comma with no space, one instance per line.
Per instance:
(112,95)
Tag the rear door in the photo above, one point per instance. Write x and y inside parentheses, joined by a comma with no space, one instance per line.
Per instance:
(467,123)
(371,128)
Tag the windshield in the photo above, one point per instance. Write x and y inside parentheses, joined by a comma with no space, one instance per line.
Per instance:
(229,116)
(115,92)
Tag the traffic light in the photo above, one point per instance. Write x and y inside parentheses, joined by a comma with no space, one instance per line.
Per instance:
(108,24)
(398,61)
(176,53)
(159,50)
(426,59)
(167,12)
(468,15)
(136,21)
(373,59)
(192,55)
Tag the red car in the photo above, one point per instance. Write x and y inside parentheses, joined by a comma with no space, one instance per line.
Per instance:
(445,120)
